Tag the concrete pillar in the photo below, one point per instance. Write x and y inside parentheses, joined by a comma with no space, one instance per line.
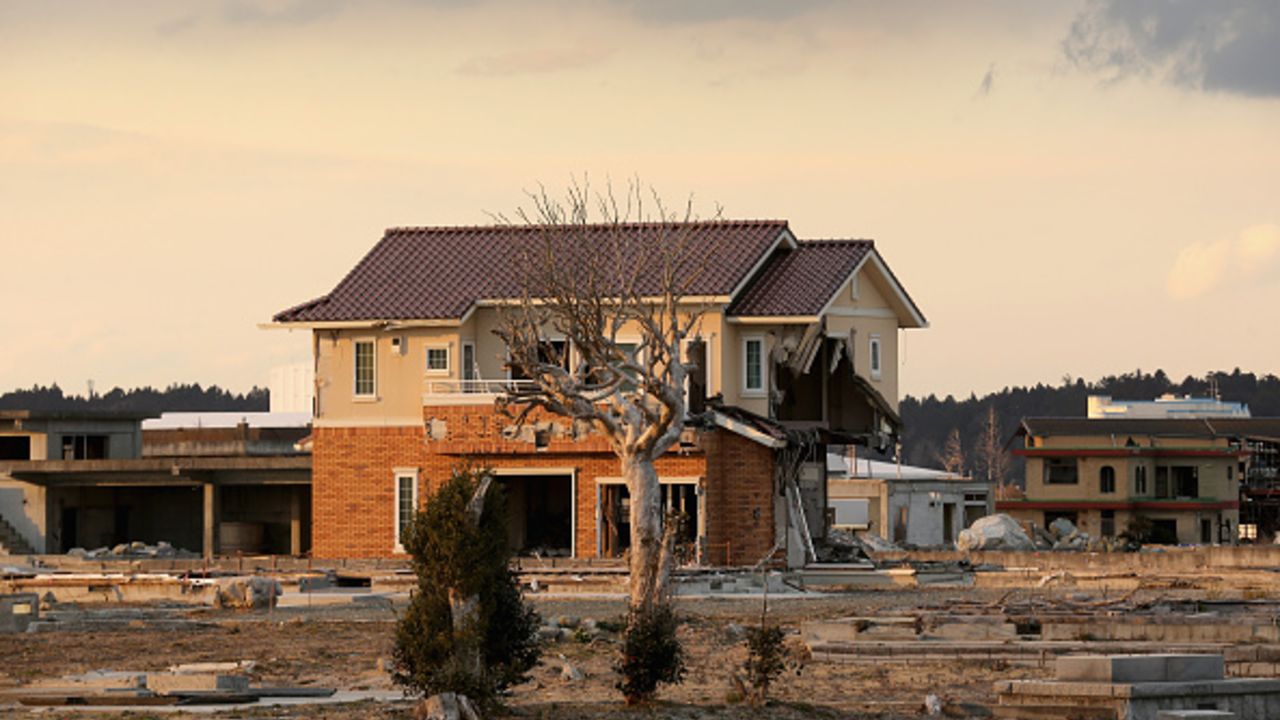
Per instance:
(295,522)
(212,518)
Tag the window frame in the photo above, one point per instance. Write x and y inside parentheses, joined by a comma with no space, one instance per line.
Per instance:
(763,388)
(1140,480)
(1106,477)
(397,529)
(875,356)
(448,359)
(470,370)
(1051,463)
(372,342)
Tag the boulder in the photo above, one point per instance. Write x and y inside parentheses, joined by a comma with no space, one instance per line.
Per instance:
(994,532)
(247,592)
(1062,528)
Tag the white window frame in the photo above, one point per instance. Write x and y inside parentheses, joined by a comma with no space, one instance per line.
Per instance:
(398,474)
(763,389)
(448,360)
(875,357)
(355,368)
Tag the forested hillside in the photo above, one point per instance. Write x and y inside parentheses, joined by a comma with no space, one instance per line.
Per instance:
(930,420)
(175,398)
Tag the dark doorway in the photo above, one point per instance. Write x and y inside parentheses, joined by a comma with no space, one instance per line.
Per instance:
(70,528)
(948,523)
(539,514)
(1164,532)
(679,500)
(1206,531)
(696,356)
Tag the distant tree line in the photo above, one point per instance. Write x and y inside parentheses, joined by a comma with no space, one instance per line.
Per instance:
(179,397)
(934,426)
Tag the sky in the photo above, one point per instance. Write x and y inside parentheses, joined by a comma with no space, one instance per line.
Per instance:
(1064,188)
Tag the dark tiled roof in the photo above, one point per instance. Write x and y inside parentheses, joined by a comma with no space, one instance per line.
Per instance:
(439,273)
(1159,427)
(801,281)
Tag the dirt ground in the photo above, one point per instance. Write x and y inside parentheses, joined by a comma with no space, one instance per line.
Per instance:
(349,648)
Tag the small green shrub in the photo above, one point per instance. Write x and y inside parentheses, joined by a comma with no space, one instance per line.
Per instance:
(451,552)
(766,659)
(651,654)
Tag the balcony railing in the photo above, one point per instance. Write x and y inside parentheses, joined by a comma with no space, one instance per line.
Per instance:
(463,388)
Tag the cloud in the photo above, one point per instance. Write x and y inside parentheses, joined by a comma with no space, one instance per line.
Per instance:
(280,12)
(528,62)
(703,11)
(1230,46)
(1203,267)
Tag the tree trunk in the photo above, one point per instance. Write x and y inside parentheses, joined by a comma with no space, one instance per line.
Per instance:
(650,557)
(464,608)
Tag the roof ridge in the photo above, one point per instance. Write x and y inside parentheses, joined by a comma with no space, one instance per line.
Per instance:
(836,241)
(750,222)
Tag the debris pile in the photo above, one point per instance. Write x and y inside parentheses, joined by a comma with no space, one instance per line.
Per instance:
(134,550)
(994,532)
(249,592)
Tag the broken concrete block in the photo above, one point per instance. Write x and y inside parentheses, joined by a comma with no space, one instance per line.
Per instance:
(994,532)
(247,592)
(1139,668)
(178,683)
(18,611)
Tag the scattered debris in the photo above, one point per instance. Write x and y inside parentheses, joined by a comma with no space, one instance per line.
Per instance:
(194,684)
(994,532)
(247,592)
(134,550)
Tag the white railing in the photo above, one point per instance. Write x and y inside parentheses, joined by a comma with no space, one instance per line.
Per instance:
(476,387)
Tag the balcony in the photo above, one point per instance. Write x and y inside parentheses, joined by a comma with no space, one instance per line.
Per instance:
(469,392)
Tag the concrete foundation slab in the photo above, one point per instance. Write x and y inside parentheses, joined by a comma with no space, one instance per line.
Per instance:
(18,611)
(1140,668)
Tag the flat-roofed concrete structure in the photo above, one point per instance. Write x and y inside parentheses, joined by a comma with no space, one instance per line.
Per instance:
(214,485)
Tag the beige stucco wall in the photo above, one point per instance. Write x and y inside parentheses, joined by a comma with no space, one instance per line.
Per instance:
(400,378)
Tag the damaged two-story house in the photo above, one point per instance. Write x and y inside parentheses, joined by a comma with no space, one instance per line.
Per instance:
(796,349)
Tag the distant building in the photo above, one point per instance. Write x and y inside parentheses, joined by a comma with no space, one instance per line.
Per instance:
(218,482)
(908,505)
(1165,406)
(1174,480)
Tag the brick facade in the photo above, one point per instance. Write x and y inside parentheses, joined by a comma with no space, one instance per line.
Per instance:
(354,469)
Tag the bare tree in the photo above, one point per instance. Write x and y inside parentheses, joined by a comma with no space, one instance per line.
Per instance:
(991,458)
(596,269)
(952,457)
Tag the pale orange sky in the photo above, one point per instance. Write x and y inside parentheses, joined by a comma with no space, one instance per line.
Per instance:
(172,174)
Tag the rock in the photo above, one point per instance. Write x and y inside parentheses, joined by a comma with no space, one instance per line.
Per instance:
(567,621)
(932,705)
(590,625)
(548,633)
(569,673)
(1062,528)
(446,706)
(120,549)
(994,532)
(138,545)
(247,592)
(735,631)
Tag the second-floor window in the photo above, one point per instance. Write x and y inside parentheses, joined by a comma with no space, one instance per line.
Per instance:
(1060,471)
(366,375)
(1107,479)
(1140,480)
(875,356)
(437,359)
(753,365)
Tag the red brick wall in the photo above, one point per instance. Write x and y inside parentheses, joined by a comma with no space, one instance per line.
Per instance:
(354,489)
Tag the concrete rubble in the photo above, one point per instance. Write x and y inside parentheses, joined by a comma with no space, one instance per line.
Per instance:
(195,684)
(994,532)
(135,549)
(1139,687)
(247,592)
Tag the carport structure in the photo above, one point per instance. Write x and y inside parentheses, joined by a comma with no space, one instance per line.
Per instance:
(219,504)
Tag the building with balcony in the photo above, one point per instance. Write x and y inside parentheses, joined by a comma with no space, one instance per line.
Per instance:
(797,345)
(1168,480)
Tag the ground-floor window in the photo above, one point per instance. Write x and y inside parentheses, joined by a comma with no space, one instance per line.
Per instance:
(406,503)
(1108,523)
(540,511)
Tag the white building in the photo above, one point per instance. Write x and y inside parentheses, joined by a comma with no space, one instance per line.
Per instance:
(293,388)
(909,505)
(1165,406)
